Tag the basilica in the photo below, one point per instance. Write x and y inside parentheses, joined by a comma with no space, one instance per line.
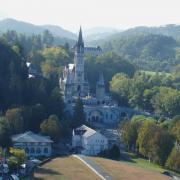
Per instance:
(99,109)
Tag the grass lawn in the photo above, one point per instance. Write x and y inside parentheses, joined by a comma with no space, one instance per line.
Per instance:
(130,171)
(65,168)
(140,162)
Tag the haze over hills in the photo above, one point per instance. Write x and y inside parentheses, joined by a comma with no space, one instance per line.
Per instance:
(90,35)
(167,30)
(97,33)
(28,28)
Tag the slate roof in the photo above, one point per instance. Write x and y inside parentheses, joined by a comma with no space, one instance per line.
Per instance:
(87,132)
(30,137)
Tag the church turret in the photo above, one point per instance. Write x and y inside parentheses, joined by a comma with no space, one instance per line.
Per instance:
(79,66)
(100,87)
(80,42)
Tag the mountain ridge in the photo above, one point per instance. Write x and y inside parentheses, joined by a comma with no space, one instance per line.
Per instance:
(29,28)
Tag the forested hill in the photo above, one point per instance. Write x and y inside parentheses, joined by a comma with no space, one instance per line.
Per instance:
(148,51)
(167,30)
(29,29)
(143,46)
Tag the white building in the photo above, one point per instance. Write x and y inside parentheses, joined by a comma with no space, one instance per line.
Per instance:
(88,141)
(34,144)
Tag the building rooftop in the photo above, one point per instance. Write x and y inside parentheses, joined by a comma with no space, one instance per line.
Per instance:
(85,131)
(30,137)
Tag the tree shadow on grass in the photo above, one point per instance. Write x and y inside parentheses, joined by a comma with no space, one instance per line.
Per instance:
(126,157)
(45,171)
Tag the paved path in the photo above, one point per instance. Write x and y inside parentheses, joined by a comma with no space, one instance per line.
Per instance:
(94,167)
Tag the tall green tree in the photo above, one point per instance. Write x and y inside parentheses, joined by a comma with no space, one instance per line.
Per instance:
(78,115)
(52,127)
(15,120)
(47,38)
(173,161)
(154,142)
(5,140)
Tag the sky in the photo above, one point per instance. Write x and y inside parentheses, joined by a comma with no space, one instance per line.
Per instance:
(70,14)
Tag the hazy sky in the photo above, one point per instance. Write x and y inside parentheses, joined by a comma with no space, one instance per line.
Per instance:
(89,13)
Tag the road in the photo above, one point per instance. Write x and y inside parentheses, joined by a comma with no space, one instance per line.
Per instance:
(94,167)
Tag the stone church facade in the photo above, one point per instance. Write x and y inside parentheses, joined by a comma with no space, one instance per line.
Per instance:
(99,109)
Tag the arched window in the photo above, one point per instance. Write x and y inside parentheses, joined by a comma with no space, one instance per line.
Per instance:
(123,114)
(27,150)
(46,150)
(38,151)
(79,88)
(106,115)
(111,116)
(32,150)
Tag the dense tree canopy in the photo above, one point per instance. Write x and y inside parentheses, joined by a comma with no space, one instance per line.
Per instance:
(109,64)
(52,127)
(147,137)
(173,161)
(150,92)
(78,115)
(13,75)
(147,51)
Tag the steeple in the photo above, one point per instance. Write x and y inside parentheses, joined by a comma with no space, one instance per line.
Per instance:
(80,38)
(80,43)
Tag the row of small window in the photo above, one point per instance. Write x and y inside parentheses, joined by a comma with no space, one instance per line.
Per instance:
(36,150)
(107,116)
(97,140)
(35,143)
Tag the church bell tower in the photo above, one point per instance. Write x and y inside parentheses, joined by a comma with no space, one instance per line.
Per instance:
(79,62)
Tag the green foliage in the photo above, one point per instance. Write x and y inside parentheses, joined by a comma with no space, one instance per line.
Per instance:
(154,142)
(166,102)
(52,127)
(78,116)
(54,59)
(17,158)
(15,120)
(138,118)
(119,87)
(13,163)
(109,64)
(176,130)
(13,73)
(114,152)
(173,161)
(149,45)
(5,139)
(19,154)
(147,51)
(130,130)
(47,38)
(150,92)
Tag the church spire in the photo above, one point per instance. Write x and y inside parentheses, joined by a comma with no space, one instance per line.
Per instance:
(80,38)
(80,43)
